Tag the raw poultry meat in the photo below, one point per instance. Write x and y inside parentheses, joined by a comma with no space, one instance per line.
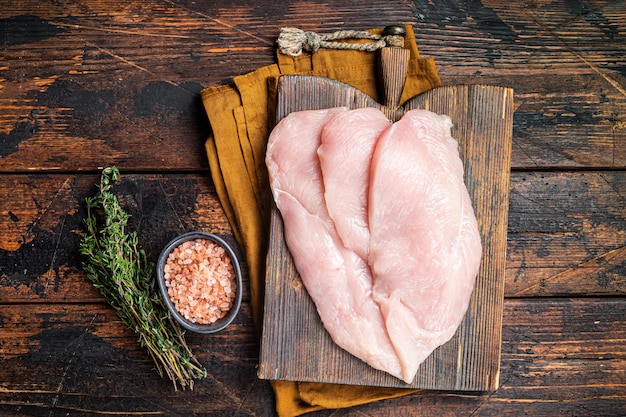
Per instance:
(380,227)
(336,278)
(345,152)
(425,246)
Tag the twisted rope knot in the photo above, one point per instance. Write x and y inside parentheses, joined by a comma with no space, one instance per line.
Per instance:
(293,41)
(312,43)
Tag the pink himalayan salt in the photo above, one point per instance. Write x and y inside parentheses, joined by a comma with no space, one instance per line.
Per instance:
(200,280)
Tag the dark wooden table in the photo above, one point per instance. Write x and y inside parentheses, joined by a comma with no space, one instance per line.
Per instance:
(89,84)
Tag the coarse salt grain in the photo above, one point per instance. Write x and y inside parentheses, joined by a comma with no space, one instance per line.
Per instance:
(200,278)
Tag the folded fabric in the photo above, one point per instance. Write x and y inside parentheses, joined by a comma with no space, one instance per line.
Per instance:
(239,114)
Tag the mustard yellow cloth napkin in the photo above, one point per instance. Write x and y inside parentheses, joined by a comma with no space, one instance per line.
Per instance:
(239,116)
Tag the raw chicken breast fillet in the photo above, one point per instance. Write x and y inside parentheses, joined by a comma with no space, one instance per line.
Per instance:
(425,247)
(380,227)
(345,153)
(336,278)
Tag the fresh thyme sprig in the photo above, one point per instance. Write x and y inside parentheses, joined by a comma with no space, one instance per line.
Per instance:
(122,273)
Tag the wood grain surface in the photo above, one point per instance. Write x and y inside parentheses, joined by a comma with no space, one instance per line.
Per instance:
(87,84)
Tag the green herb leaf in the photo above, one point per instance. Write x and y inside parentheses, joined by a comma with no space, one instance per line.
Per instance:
(122,273)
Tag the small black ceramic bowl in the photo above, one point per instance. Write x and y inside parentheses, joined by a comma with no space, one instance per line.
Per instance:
(185,323)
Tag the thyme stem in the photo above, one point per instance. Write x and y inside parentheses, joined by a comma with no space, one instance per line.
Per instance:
(122,273)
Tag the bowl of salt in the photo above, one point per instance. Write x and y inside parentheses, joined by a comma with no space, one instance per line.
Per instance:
(200,281)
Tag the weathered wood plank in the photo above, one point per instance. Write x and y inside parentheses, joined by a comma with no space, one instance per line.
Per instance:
(563,59)
(97,84)
(560,357)
(566,231)
(558,126)
(79,358)
(120,85)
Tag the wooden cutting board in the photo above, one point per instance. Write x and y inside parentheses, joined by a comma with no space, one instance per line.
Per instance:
(295,345)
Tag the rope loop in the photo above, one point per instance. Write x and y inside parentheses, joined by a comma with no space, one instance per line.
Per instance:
(294,41)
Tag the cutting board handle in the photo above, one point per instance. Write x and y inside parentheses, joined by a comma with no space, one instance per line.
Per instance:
(394,62)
